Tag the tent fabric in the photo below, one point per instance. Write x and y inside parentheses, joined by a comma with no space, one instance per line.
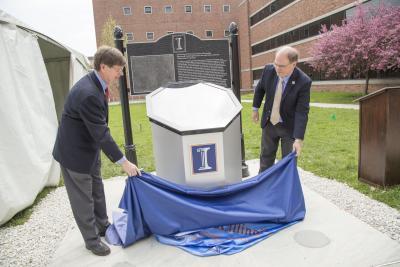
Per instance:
(79,66)
(28,121)
(271,200)
(28,114)
(5,17)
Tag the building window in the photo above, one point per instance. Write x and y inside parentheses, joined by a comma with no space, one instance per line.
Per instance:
(321,76)
(127,11)
(314,28)
(129,36)
(226,33)
(209,33)
(226,8)
(147,10)
(188,9)
(207,8)
(150,35)
(309,30)
(170,32)
(269,10)
(168,9)
(190,32)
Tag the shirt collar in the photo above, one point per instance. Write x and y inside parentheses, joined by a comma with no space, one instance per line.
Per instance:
(102,82)
(286,78)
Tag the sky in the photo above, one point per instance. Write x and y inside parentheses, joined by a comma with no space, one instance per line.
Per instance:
(69,22)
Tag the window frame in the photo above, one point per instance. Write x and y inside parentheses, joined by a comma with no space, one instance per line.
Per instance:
(191,8)
(151,10)
(204,8)
(226,31)
(223,8)
(165,9)
(147,36)
(127,38)
(130,11)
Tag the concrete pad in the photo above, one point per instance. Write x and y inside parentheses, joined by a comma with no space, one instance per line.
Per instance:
(328,236)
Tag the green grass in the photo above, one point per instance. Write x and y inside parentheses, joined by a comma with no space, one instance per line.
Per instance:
(324,97)
(142,138)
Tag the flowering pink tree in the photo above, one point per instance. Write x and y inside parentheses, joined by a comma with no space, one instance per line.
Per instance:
(370,40)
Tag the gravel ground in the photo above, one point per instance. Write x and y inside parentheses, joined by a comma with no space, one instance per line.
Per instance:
(35,242)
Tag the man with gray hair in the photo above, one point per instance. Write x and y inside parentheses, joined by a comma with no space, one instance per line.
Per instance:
(83,133)
(287,102)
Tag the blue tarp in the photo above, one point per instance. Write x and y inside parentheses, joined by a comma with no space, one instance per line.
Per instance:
(222,220)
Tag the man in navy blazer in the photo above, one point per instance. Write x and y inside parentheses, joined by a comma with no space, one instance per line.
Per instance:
(287,102)
(83,132)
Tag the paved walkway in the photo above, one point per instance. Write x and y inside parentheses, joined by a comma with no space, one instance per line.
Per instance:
(328,236)
(321,105)
(326,105)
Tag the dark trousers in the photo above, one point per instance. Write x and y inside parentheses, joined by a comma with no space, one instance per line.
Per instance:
(88,203)
(271,135)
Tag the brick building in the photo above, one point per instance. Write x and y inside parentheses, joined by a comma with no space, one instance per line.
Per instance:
(263,27)
(267,25)
(147,21)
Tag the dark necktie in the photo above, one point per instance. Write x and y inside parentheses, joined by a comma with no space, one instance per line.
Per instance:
(107,94)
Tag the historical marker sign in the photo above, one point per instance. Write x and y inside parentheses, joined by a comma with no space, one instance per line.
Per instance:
(178,57)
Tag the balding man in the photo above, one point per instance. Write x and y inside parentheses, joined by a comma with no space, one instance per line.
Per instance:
(287,98)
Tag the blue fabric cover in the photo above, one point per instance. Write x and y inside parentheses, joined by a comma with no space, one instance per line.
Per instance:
(205,222)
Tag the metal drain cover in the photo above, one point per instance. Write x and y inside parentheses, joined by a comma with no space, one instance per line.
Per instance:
(311,239)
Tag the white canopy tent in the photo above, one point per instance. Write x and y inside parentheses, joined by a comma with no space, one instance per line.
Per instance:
(36,73)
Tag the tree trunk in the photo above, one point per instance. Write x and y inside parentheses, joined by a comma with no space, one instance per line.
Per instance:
(366,81)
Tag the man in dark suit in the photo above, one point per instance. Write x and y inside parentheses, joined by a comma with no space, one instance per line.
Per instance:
(287,98)
(82,134)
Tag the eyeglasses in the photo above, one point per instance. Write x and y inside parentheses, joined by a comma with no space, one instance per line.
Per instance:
(281,66)
(119,69)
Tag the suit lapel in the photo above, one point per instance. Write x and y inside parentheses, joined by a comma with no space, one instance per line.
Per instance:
(93,77)
(274,84)
(291,82)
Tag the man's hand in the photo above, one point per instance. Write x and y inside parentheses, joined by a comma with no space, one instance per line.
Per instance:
(297,145)
(130,168)
(255,116)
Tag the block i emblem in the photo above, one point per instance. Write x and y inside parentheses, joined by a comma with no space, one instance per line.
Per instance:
(204,158)
(179,43)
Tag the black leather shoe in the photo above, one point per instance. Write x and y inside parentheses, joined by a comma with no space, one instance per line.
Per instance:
(101,249)
(102,231)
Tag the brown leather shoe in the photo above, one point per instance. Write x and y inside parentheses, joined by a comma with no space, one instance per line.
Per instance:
(100,249)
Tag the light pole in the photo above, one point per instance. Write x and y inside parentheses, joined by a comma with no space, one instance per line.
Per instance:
(235,66)
(130,148)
